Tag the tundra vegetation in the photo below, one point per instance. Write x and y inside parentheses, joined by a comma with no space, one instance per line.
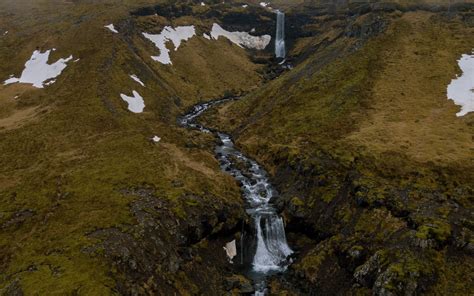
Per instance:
(375,170)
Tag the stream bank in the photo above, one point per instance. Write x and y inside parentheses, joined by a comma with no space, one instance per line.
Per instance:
(263,251)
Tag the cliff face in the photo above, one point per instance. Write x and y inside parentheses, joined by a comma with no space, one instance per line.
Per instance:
(373,166)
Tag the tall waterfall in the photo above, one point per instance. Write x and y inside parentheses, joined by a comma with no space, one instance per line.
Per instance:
(280,50)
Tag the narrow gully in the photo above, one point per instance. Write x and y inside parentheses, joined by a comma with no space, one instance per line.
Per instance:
(271,251)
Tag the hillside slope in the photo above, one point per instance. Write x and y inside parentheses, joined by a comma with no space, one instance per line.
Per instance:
(374,168)
(89,204)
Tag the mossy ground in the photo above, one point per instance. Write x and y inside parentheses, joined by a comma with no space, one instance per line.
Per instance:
(368,141)
(69,150)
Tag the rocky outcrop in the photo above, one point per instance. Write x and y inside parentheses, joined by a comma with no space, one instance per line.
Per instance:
(168,252)
(359,222)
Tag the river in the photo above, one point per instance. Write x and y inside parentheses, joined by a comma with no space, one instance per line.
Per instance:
(271,253)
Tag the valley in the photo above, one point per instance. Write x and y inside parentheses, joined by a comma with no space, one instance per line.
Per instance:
(236,148)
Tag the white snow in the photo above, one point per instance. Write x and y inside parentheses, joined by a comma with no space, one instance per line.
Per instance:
(231,250)
(111,27)
(6,32)
(245,6)
(264,4)
(135,77)
(156,139)
(203,4)
(37,70)
(175,35)
(135,103)
(76,60)
(242,39)
(206,36)
(461,89)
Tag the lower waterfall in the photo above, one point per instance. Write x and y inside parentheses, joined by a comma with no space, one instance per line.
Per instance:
(272,250)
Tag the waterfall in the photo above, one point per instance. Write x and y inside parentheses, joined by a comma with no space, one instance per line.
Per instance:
(280,50)
(272,250)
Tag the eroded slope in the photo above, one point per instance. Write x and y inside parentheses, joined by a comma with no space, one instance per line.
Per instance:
(373,165)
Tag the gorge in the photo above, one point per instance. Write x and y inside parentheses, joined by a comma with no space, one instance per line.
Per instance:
(189,147)
(272,250)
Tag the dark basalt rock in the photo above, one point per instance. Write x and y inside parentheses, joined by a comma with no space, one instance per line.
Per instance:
(161,244)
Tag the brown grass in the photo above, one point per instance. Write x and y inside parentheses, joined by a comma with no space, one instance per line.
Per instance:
(411,113)
(12,114)
(183,159)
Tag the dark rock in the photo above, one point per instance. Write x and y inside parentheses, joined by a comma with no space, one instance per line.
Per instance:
(14,289)
(366,273)
(18,218)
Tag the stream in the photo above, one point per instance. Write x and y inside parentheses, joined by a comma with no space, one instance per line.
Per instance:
(269,248)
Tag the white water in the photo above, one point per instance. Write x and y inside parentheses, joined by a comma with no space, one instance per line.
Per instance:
(272,249)
(280,47)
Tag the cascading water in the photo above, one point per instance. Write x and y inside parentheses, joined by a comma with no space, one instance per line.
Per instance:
(272,250)
(280,47)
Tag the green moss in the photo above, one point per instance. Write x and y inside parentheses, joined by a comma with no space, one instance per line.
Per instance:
(329,195)
(438,230)
(71,165)
(297,202)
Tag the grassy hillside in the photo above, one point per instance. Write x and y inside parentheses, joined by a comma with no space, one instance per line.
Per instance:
(374,168)
(373,165)
(76,165)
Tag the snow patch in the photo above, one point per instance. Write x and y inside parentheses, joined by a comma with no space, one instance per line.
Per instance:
(264,4)
(111,27)
(242,39)
(175,35)
(203,4)
(5,33)
(206,36)
(461,89)
(245,6)
(37,70)
(135,103)
(231,250)
(135,77)
(156,139)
